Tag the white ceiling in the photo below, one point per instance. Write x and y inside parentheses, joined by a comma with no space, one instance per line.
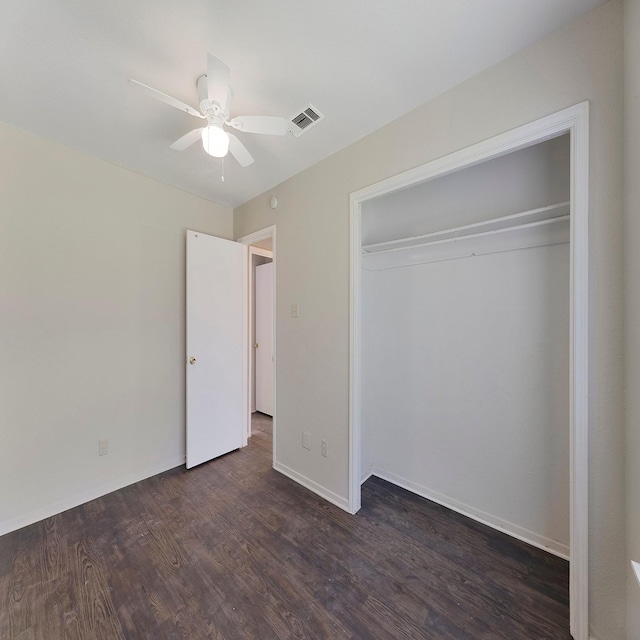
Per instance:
(64,66)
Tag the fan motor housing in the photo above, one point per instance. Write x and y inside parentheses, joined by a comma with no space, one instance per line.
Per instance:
(208,107)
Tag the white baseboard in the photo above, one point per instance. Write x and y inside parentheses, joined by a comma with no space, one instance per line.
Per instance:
(542,542)
(318,489)
(87,495)
(366,475)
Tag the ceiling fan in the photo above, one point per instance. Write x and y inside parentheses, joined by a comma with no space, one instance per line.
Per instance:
(215,97)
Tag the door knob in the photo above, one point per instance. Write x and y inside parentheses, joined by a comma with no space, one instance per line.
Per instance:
(192,360)
(256,345)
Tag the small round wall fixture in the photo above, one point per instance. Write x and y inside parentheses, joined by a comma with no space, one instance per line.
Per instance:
(273,202)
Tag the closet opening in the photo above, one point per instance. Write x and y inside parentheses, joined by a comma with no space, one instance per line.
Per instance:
(469,321)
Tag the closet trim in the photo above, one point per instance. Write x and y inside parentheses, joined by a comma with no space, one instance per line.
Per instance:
(575,121)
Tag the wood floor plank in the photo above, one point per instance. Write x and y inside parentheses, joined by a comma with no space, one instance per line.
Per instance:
(19,600)
(233,550)
(97,613)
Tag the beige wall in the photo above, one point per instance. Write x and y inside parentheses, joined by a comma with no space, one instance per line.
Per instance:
(91,324)
(632,294)
(580,62)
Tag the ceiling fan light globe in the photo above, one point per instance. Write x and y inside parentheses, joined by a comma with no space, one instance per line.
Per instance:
(215,141)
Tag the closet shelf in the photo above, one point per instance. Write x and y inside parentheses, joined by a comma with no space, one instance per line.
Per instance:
(533,218)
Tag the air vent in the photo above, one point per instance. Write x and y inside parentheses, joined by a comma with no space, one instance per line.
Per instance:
(304,120)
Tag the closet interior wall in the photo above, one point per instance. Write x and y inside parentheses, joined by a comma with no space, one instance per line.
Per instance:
(465,396)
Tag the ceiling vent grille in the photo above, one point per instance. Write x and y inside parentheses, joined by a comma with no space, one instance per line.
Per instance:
(304,120)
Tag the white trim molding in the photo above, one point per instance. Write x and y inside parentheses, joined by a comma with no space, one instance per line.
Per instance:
(309,484)
(257,236)
(510,528)
(93,492)
(575,121)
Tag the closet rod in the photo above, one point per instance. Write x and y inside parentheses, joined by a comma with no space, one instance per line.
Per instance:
(470,236)
(468,230)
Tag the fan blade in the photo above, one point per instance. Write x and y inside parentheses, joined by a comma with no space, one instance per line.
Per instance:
(187,140)
(218,74)
(227,107)
(163,97)
(267,125)
(239,151)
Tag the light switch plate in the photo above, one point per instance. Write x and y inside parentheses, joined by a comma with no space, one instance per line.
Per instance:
(306,440)
(295,310)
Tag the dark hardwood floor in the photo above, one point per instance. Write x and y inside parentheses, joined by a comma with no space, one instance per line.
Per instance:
(233,549)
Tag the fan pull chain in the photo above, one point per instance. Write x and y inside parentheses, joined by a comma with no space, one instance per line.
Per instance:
(222,169)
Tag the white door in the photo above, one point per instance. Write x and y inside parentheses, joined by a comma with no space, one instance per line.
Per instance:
(264,338)
(216,347)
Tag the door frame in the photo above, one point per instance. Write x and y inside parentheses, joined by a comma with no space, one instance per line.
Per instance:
(574,121)
(257,236)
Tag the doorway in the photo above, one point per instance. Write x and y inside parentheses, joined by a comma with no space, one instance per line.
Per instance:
(261,326)
(572,121)
(262,361)
(263,347)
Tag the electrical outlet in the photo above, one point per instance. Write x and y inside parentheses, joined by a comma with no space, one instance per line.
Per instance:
(103,447)
(306,440)
(323,448)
